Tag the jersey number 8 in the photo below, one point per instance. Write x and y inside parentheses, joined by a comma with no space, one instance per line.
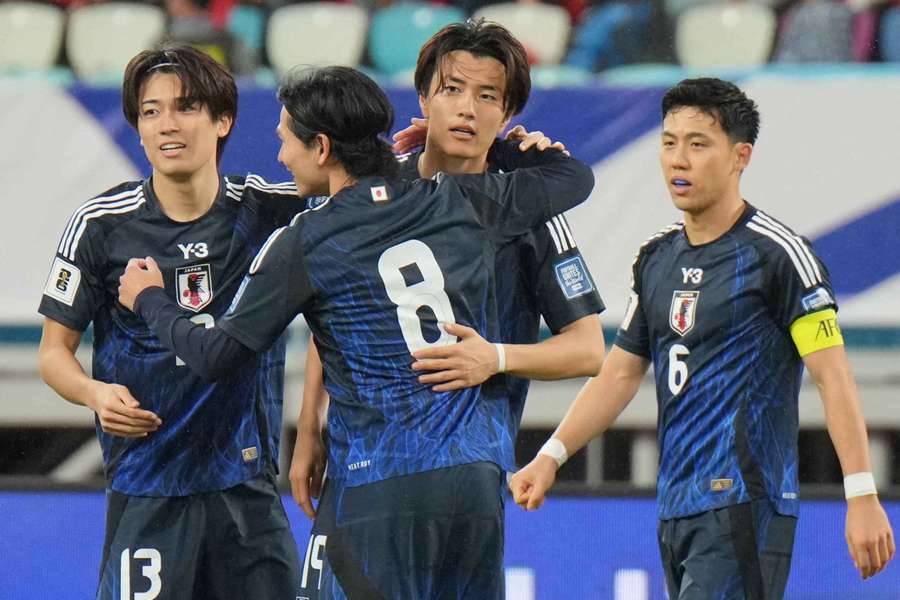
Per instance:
(410,298)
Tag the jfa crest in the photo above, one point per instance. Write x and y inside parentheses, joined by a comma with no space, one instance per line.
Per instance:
(683,311)
(194,286)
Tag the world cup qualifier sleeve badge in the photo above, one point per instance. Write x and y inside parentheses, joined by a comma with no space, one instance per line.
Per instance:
(194,286)
(683,311)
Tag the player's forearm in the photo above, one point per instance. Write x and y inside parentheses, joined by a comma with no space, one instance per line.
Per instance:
(577,351)
(209,352)
(315,400)
(61,371)
(843,415)
(602,399)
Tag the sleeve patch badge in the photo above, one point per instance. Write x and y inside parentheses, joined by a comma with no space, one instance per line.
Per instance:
(819,298)
(63,281)
(573,277)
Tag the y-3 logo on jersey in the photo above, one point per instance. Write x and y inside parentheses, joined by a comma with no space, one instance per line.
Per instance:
(197,249)
(691,275)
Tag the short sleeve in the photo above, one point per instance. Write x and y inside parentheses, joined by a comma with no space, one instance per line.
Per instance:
(563,285)
(797,282)
(74,290)
(274,291)
(634,333)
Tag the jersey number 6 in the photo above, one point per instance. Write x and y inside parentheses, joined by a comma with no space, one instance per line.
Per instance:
(410,298)
(678,371)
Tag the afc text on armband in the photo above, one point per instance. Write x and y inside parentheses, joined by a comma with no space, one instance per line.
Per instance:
(828,328)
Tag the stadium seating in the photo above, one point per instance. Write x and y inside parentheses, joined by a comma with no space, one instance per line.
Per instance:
(889,35)
(725,36)
(30,36)
(542,28)
(102,38)
(316,33)
(247,23)
(399,31)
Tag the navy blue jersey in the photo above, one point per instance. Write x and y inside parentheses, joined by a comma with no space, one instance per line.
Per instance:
(715,319)
(214,435)
(540,273)
(375,271)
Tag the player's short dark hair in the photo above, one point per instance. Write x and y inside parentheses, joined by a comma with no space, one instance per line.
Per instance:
(725,102)
(350,109)
(203,80)
(481,39)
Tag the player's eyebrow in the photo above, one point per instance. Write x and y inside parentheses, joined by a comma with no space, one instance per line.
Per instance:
(688,136)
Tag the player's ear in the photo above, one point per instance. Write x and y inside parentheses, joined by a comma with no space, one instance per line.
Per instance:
(742,154)
(423,105)
(224,125)
(324,144)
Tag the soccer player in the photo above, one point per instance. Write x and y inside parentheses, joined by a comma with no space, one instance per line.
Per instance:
(729,306)
(472,78)
(376,270)
(193,511)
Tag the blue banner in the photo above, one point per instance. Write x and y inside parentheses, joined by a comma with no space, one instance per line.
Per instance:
(572,549)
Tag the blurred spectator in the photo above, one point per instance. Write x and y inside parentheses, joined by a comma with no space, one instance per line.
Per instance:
(819,31)
(190,22)
(617,33)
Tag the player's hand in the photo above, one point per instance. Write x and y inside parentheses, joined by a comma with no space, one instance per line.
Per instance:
(529,486)
(529,139)
(466,363)
(870,539)
(307,470)
(119,412)
(140,273)
(412,137)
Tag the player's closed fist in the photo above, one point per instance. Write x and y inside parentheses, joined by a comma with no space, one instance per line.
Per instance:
(529,486)
(140,273)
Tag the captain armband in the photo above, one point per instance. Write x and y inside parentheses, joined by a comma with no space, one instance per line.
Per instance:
(816,331)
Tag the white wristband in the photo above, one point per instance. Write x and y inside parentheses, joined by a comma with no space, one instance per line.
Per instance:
(859,484)
(501,358)
(556,450)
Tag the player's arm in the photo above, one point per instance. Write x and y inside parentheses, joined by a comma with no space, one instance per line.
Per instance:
(544,184)
(414,136)
(576,351)
(272,294)
(118,411)
(309,458)
(596,407)
(870,539)
(568,300)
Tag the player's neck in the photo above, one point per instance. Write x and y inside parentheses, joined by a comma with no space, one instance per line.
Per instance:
(189,197)
(714,221)
(433,160)
(338,179)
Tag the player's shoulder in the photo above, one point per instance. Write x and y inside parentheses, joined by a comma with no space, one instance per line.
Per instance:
(660,239)
(104,211)
(777,242)
(240,188)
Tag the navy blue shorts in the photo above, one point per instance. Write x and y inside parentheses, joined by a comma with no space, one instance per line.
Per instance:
(426,536)
(232,544)
(740,552)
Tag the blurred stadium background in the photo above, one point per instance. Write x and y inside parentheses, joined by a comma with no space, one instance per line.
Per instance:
(826,77)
